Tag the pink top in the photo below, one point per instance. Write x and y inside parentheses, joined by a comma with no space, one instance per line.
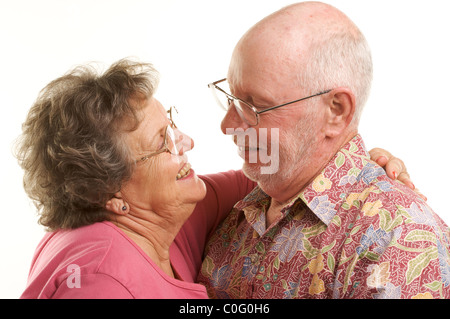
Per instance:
(100,261)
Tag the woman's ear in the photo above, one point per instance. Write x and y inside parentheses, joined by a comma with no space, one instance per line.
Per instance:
(117,205)
(340,112)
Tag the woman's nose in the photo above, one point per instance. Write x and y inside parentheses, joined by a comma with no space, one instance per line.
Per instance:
(184,143)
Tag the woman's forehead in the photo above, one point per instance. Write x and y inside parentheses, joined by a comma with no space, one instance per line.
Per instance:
(154,121)
(154,114)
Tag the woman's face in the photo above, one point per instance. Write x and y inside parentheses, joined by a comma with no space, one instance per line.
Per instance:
(163,182)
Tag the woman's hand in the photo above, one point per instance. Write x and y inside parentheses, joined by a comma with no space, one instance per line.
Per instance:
(395,168)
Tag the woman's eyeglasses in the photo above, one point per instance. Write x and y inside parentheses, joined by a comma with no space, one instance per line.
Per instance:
(170,139)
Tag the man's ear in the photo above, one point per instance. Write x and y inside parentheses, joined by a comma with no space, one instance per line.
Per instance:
(341,106)
(117,205)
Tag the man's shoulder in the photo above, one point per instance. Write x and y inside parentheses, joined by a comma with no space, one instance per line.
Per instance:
(401,244)
(388,203)
(383,195)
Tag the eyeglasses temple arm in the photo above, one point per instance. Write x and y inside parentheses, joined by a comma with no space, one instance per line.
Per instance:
(305,98)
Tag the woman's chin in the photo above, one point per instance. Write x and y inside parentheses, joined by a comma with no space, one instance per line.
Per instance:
(193,186)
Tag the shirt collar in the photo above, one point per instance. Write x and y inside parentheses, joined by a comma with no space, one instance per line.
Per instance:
(325,192)
(254,207)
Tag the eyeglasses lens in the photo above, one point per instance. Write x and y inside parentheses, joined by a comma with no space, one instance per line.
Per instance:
(244,110)
(171,139)
(220,97)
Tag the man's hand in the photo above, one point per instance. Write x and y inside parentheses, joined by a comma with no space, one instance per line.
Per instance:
(394,167)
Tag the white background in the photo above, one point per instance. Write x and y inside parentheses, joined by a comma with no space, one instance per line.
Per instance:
(190,43)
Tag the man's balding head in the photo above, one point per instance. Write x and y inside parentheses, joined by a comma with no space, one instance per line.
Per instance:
(316,43)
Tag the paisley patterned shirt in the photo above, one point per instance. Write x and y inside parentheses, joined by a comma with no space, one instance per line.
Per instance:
(351,233)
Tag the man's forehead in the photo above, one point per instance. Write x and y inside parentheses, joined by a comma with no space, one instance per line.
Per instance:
(255,75)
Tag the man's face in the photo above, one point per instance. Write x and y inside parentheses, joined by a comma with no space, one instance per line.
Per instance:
(256,78)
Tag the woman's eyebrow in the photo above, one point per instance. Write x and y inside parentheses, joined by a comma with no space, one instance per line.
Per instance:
(149,144)
(157,134)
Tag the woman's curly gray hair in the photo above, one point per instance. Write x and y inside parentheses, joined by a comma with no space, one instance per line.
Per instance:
(72,148)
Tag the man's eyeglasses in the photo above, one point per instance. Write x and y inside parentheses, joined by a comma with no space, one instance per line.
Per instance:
(248,113)
(170,138)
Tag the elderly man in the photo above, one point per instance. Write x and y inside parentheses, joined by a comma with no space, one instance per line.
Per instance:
(327,223)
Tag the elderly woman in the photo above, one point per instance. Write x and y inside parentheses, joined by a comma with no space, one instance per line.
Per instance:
(107,169)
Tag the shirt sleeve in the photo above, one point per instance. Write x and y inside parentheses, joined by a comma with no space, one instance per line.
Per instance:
(93,286)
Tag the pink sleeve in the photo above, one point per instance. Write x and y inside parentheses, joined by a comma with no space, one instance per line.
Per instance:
(224,190)
(93,286)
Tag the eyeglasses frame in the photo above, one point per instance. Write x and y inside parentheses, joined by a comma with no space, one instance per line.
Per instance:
(165,148)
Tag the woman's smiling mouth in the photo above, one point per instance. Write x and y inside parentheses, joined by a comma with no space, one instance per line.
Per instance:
(185,170)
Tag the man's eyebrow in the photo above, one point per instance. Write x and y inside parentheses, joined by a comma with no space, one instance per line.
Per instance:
(255,99)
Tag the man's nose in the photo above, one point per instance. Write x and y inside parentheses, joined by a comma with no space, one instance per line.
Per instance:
(232,120)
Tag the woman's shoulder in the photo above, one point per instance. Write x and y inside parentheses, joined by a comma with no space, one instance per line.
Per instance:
(84,246)
(62,254)
(99,261)
(91,245)
(76,243)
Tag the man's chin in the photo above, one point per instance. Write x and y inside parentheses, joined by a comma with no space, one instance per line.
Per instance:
(253,172)
(250,171)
